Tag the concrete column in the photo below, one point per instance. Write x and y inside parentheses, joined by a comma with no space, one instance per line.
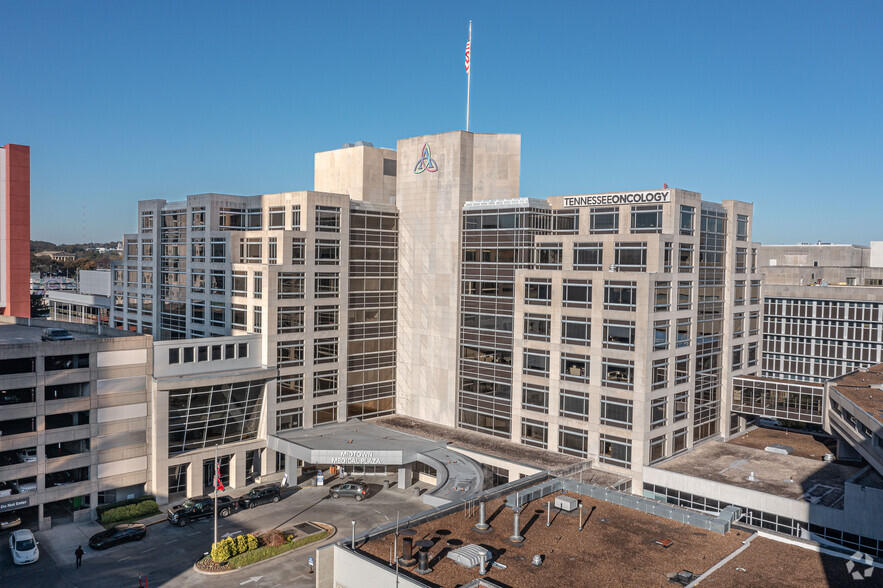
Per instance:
(194,477)
(292,470)
(405,476)
(237,469)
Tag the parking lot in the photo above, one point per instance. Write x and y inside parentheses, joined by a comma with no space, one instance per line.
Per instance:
(166,556)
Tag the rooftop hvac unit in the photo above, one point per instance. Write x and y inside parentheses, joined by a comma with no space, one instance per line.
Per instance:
(566,503)
(470,555)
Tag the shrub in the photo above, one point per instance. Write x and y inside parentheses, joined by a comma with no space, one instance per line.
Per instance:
(221,551)
(130,512)
(274,538)
(251,541)
(241,544)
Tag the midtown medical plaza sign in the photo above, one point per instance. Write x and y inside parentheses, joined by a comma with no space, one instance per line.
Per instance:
(618,198)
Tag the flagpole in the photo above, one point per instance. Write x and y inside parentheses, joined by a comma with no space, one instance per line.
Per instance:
(216,497)
(469,77)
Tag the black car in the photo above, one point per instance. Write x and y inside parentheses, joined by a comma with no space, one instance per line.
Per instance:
(200,507)
(118,534)
(357,491)
(260,495)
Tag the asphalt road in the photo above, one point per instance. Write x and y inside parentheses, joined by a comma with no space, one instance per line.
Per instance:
(166,556)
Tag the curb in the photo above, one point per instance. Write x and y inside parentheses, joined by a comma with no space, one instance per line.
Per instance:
(331,528)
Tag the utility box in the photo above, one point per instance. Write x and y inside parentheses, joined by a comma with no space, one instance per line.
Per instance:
(470,555)
(566,503)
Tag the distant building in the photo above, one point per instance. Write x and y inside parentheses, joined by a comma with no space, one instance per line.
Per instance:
(15,229)
(90,304)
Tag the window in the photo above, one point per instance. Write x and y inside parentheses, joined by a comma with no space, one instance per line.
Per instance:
(620,295)
(258,319)
(328,218)
(615,451)
(752,354)
(573,442)
(660,373)
(662,296)
(65,362)
(588,256)
(604,220)
(326,318)
(217,283)
(290,388)
(197,311)
(660,335)
(755,292)
(197,281)
(534,433)
(290,353)
(577,293)
(548,255)
(738,324)
(679,440)
(325,413)
(739,293)
(389,167)
(647,219)
(536,327)
(324,384)
(147,304)
(682,369)
(197,249)
(292,418)
(573,405)
(327,285)
(253,218)
(737,357)
(146,221)
(327,252)
(630,257)
(685,257)
(618,373)
(219,250)
(741,227)
(258,285)
(753,322)
(276,217)
(290,320)
(298,250)
(272,251)
(616,412)
(681,406)
(575,368)
(535,398)
(657,449)
(295,217)
(619,335)
(232,218)
(666,260)
(290,285)
(325,351)
(239,283)
(741,260)
(688,213)
(239,316)
(536,362)
(576,330)
(657,412)
(250,250)
(685,295)
(537,292)
(147,251)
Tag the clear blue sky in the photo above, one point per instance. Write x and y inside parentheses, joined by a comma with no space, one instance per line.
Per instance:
(773,102)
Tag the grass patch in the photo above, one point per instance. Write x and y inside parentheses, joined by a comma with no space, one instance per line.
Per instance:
(262,553)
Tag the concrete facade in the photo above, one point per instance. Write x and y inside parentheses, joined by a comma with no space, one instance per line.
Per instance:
(15,230)
(83,408)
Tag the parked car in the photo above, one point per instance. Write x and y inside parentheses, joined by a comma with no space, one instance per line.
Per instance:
(260,495)
(22,487)
(118,534)
(23,547)
(28,455)
(200,507)
(56,335)
(9,397)
(354,489)
(59,478)
(9,521)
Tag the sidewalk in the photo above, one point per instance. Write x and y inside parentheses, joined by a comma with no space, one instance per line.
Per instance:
(61,541)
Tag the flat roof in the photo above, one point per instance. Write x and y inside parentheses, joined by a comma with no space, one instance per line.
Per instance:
(20,334)
(486,444)
(356,435)
(864,388)
(789,476)
(617,546)
(805,445)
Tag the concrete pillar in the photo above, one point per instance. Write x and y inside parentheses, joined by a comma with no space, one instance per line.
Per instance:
(194,477)
(292,470)
(237,469)
(405,476)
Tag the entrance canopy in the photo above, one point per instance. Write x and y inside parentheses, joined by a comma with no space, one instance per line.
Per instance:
(351,443)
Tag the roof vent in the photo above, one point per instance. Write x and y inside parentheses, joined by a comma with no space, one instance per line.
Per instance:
(751,477)
(364,144)
(683,577)
(537,560)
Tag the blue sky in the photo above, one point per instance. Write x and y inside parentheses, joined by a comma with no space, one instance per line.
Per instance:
(776,103)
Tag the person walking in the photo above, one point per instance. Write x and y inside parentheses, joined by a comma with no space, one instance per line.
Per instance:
(79,553)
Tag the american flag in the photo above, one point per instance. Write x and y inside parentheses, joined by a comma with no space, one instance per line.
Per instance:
(218,483)
(468,42)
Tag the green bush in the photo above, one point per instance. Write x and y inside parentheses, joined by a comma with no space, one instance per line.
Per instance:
(233,546)
(103,508)
(252,541)
(241,544)
(221,551)
(130,512)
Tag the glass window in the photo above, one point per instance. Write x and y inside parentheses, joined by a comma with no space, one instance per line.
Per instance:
(647,219)
(324,384)
(290,320)
(619,335)
(604,220)
(679,440)
(276,217)
(536,362)
(219,250)
(298,250)
(535,398)
(536,327)
(616,412)
(548,255)
(660,335)
(326,318)
(575,368)
(577,293)
(325,350)
(534,433)
(662,296)
(573,405)
(630,257)
(537,292)
(741,227)
(327,252)
(239,282)
(682,369)
(327,285)
(588,256)
(197,217)
(325,413)
(620,295)
(573,442)
(290,285)
(688,213)
(290,353)
(681,406)
(290,388)
(291,418)
(685,257)
(576,330)
(295,217)
(685,295)
(328,218)
(657,412)
(660,373)
(618,373)
(657,449)
(615,451)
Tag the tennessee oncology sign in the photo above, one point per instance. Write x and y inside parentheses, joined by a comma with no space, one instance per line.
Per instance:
(619,198)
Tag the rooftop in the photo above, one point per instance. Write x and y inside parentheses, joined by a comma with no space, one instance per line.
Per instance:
(14,334)
(480,443)
(864,388)
(789,476)
(805,445)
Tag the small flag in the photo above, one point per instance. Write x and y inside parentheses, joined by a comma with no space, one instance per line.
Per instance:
(218,484)
(665,185)
(468,43)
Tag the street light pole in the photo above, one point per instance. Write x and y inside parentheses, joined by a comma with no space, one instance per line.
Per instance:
(353,544)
